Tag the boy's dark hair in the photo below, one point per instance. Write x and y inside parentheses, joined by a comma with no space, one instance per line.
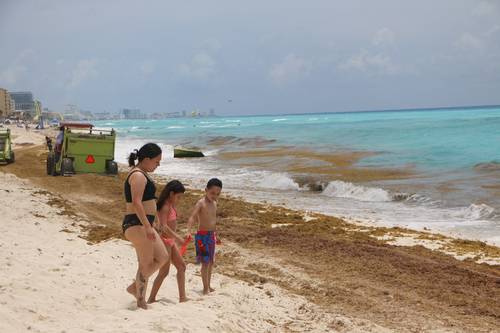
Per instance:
(149,150)
(173,186)
(214,182)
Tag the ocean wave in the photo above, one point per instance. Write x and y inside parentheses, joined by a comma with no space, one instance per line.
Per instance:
(419,199)
(175,127)
(487,166)
(217,126)
(233,140)
(210,152)
(138,128)
(477,212)
(348,190)
(280,119)
(278,181)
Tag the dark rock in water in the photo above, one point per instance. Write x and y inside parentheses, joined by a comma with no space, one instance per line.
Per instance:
(312,183)
(487,166)
(400,196)
(316,187)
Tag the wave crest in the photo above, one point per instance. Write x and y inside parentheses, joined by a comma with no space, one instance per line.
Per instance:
(348,190)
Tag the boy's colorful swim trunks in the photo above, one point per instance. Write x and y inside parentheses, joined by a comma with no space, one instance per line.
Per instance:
(204,242)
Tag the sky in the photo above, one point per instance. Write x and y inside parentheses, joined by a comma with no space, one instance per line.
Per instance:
(252,57)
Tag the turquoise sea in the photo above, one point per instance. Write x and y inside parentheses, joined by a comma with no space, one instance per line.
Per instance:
(452,154)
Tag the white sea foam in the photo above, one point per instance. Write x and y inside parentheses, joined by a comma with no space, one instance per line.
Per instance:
(280,119)
(211,152)
(278,181)
(477,212)
(342,189)
(175,127)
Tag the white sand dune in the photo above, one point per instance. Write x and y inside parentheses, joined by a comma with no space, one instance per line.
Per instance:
(53,281)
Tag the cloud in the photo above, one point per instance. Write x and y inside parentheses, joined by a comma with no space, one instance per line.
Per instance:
(12,74)
(17,69)
(291,69)
(370,63)
(84,70)
(201,67)
(468,41)
(147,67)
(383,37)
(486,8)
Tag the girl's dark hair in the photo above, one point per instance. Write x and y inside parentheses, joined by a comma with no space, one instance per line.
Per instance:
(149,150)
(173,186)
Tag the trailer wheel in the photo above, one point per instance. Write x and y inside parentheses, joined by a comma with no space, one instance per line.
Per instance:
(51,164)
(111,167)
(12,157)
(66,166)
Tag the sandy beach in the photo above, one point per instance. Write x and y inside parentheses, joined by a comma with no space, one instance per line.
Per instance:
(278,270)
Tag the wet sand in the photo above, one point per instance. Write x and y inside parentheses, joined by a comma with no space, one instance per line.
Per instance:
(341,267)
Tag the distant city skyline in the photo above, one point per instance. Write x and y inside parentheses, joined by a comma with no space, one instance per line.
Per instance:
(283,57)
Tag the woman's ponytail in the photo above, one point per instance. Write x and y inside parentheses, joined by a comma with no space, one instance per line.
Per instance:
(132,157)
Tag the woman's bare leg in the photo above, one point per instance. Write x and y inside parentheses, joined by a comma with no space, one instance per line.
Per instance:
(180,265)
(162,274)
(151,255)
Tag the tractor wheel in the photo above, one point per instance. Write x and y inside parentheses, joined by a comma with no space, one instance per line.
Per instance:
(67,166)
(12,157)
(111,167)
(51,164)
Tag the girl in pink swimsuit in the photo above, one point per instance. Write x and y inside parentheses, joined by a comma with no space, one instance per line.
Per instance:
(167,216)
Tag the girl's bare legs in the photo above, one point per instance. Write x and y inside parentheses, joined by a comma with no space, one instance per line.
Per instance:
(180,265)
(162,274)
(151,255)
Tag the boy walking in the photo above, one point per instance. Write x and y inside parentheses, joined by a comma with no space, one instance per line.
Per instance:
(204,213)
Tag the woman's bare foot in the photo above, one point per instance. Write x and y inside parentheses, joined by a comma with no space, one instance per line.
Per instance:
(132,290)
(141,303)
(151,300)
(211,289)
(185,299)
(206,291)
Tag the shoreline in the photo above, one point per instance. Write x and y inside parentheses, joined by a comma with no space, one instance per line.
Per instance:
(333,183)
(339,266)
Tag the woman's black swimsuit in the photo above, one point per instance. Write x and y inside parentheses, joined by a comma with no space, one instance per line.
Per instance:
(149,193)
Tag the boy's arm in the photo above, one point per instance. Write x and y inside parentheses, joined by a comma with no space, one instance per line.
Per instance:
(193,217)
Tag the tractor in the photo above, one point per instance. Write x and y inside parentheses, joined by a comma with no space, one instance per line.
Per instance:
(83,149)
(6,152)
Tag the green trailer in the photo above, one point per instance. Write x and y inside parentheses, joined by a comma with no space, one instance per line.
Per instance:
(6,152)
(84,149)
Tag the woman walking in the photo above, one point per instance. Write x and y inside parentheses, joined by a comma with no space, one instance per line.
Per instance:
(140,197)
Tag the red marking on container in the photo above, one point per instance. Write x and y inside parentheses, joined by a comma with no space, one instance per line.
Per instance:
(90,159)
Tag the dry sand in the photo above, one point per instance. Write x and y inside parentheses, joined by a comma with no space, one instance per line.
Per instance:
(54,281)
(314,273)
